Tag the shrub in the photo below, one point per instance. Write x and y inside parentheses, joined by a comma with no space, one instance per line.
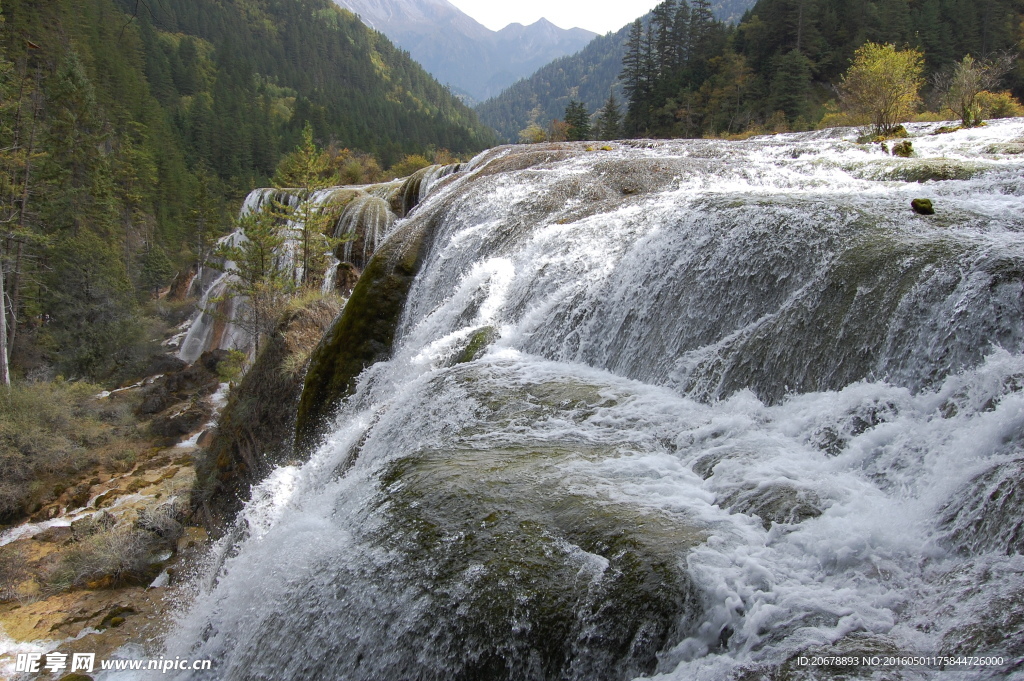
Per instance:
(408,165)
(961,84)
(881,86)
(110,557)
(999,105)
(53,430)
(12,572)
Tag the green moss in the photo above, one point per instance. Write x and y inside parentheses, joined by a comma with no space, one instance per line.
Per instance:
(559,579)
(478,343)
(364,332)
(919,170)
(898,132)
(922,206)
(904,149)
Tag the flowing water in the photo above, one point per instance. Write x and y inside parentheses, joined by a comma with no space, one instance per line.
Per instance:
(685,410)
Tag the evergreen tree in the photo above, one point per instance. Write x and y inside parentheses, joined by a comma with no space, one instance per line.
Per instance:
(663,21)
(635,79)
(578,121)
(306,171)
(260,276)
(608,121)
(791,84)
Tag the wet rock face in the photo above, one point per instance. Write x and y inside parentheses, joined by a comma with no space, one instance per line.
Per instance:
(255,431)
(988,513)
(346,278)
(774,503)
(181,423)
(364,332)
(181,284)
(182,383)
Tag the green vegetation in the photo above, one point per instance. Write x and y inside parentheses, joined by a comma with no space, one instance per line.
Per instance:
(687,75)
(53,431)
(578,121)
(109,556)
(882,86)
(963,83)
(126,142)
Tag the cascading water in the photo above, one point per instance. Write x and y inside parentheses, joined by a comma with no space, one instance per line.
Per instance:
(214,324)
(363,225)
(692,409)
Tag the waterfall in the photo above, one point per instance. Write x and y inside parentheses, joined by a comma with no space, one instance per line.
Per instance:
(214,324)
(363,224)
(695,409)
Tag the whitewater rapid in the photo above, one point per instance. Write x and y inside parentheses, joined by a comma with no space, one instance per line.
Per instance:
(737,405)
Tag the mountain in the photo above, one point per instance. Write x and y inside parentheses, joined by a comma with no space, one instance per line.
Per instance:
(588,76)
(474,60)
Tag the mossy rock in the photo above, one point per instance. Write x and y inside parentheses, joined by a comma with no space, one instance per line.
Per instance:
(478,343)
(922,206)
(899,132)
(773,503)
(256,429)
(904,149)
(1005,148)
(76,677)
(920,170)
(365,331)
(576,586)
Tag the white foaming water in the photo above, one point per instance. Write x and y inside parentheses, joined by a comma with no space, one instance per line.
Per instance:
(743,405)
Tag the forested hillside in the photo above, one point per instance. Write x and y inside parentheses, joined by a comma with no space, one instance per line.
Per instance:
(689,77)
(686,73)
(588,76)
(130,129)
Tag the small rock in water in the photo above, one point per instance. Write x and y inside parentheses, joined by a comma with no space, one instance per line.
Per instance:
(904,149)
(922,206)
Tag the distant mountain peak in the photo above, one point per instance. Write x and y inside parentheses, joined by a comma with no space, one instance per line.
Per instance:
(462,52)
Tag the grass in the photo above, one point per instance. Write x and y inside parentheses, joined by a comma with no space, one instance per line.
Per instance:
(50,431)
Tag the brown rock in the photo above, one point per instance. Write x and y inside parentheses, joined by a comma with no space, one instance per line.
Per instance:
(181,284)
(55,535)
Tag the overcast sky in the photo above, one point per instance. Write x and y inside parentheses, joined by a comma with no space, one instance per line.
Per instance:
(600,17)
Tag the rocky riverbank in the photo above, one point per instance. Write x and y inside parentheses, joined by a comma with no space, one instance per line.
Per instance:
(99,562)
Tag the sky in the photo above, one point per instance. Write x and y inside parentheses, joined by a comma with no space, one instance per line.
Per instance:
(600,16)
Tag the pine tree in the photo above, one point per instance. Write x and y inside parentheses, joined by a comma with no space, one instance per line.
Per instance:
(663,21)
(608,122)
(306,171)
(791,85)
(633,75)
(259,275)
(578,120)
